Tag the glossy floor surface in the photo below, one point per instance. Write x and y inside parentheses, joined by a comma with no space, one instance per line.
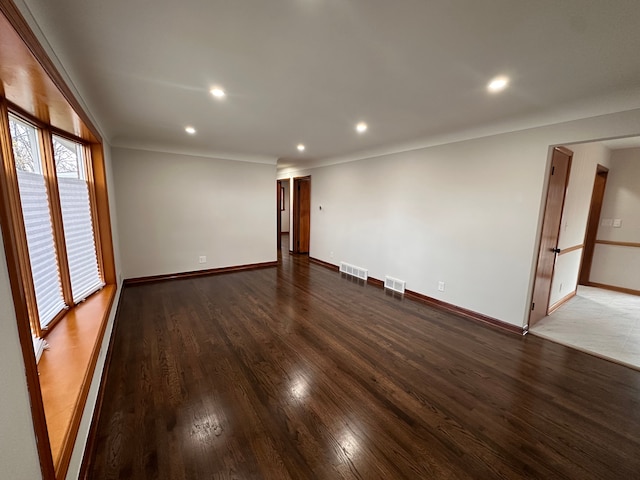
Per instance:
(597,321)
(298,373)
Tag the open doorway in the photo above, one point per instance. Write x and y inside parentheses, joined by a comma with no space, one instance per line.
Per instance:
(301,214)
(283,211)
(279,201)
(594,299)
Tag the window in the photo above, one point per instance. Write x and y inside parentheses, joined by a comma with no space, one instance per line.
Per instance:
(76,218)
(38,226)
(36,106)
(63,261)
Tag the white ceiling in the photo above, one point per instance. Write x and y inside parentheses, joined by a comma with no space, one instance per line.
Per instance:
(308,70)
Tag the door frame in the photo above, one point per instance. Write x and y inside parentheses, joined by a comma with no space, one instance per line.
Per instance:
(278,216)
(296,210)
(538,268)
(592,227)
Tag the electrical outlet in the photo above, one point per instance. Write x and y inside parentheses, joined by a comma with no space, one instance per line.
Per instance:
(202,259)
(617,223)
(441,286)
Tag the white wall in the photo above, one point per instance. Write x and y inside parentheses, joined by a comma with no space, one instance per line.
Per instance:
(620,265)
(284,214)
(575,215)
(465,213)
(18,452)
(173,208)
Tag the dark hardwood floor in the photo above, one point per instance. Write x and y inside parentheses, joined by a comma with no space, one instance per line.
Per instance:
(297,373)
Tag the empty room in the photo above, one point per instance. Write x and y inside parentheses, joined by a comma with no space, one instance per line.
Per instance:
(319,240)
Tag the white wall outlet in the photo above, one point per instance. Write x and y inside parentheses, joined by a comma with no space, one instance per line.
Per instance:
(617,223)
(441,286)
(606,222)
(202,259)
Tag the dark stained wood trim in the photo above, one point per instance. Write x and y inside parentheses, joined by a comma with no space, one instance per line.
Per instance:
(20,302)
(463,312)
(562,301)
(613,288)
(570,249)
(618,244)
(418,297)
(13,15)
(322,263)
(198,273)
(93,427)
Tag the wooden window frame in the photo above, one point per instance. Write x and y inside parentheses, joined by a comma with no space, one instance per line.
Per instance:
(45,136)
(54,107)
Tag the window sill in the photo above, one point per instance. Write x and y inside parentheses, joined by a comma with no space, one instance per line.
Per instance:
(66,371)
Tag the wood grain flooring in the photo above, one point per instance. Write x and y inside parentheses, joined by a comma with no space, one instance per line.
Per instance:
(298,373)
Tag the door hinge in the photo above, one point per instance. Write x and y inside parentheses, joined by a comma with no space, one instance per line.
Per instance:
(533,306)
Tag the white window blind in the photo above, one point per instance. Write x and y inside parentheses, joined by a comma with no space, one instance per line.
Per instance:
(76,219)
(42,250)
(78,235)
(37,222)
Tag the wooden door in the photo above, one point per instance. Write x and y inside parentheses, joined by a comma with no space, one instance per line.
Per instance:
(301,214)
(558,178)
(597,197)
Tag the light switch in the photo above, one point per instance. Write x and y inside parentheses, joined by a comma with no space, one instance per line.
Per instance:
(606,222)
(617,223)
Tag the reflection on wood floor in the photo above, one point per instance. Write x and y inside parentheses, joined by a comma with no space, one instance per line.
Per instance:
(296,373)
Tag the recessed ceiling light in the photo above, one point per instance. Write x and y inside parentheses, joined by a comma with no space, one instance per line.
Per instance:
(498,84)
(190,130)
(361,127)
(217,92)
(300,148)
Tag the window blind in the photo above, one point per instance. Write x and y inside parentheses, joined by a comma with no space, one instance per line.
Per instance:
(40,243)
(79,237)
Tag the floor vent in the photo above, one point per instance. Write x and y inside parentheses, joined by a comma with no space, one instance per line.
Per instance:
(354,271)
(394,284)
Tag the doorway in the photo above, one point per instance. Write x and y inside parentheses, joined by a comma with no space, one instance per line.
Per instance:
(279,208)
(301,214)
(597,198)
(556,193)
